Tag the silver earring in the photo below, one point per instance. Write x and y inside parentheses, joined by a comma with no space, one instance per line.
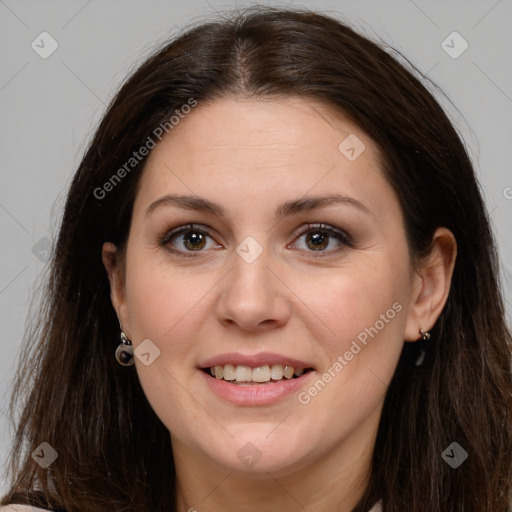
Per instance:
(124,351)
(425,336)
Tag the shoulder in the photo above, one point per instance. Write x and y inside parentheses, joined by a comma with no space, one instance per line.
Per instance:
(21,508)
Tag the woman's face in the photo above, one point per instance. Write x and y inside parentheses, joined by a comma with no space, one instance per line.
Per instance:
(251,286)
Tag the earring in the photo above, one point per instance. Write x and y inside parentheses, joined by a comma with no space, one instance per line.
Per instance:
(124,351)
(425,336)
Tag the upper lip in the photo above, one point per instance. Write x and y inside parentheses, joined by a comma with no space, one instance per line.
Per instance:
(254,360)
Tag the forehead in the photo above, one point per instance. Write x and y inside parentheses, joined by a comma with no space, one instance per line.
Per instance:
(231,149)
(289,125)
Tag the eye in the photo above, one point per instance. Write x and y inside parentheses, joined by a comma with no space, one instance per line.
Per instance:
(193,239)
(319,236)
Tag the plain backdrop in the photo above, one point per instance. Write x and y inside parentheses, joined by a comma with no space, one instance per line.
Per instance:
(49,108)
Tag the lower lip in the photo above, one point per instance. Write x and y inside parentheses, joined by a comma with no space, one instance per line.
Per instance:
(256,394)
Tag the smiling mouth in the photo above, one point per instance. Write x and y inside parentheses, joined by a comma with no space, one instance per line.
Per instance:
(243,375)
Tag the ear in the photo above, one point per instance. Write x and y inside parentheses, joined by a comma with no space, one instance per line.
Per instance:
(431,285)
(114,264)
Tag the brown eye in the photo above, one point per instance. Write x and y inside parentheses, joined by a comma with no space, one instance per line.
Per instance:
(318,240)
(318,237)
(186,239)
(193,240)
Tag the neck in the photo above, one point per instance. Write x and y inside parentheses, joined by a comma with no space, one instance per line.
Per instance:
(334,480)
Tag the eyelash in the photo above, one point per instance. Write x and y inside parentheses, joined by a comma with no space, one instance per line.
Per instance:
(344,238)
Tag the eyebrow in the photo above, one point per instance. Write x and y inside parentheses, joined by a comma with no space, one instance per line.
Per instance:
(288,208)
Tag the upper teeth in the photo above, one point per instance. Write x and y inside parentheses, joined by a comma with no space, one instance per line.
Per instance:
(264,373)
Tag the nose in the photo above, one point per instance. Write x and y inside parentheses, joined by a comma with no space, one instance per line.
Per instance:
(253,295)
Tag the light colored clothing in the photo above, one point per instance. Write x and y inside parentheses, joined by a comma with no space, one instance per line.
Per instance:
(25,508)
(376,508)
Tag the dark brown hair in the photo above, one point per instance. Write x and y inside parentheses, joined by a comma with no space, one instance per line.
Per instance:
(113,451)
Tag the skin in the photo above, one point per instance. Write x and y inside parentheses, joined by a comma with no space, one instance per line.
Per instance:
(250,156)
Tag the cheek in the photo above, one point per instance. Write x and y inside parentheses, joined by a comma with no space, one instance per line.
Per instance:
(365,314)
(163,305)
(364,308)
(161,300)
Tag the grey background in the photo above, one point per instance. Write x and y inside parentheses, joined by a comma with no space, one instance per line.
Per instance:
(50,107)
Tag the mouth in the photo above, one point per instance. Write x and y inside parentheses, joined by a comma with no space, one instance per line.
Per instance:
(244,375)
(259,379)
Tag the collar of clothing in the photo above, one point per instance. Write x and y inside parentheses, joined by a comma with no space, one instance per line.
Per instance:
(25,508)
(376,508)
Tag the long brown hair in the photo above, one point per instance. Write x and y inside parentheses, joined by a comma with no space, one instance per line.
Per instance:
(113,451)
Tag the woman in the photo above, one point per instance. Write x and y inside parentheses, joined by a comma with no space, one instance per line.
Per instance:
(279,226)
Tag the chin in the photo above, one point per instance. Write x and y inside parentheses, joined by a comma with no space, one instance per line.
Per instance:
(262,448)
